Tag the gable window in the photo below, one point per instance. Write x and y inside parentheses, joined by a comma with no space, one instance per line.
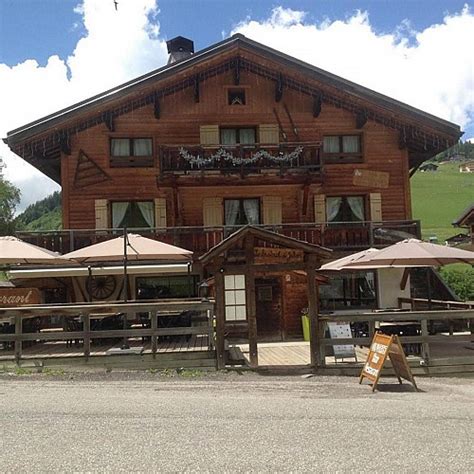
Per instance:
(236,96)
(131,152)
(345,209)
(134,214)
(342,149)
(239,212)
(237,136)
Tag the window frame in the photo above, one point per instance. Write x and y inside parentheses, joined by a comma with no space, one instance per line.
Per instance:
(341,156)
(365,198)
(131,160)
(238,129)
(111,213)
(241,208)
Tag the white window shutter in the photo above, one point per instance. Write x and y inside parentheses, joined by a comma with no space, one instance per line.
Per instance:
(101,214)
(160,212)
(212,212)
(209,134)
(375,207)
(319,208)
(269,134)
(272,210)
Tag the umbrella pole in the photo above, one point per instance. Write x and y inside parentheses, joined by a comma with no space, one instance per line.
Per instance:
(89,283)
(125,286)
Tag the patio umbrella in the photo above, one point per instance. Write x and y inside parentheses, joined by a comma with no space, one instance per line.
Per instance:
(342,263)
(14,251)
(129,247)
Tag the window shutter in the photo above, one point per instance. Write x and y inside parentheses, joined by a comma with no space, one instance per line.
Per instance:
(213,212)
(209,134)
(319,208)
(160,212)
(272,210)
(101,214)
(269,134)
(375,207)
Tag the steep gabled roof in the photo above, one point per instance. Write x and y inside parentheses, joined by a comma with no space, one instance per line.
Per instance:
(423,133)
(466,217)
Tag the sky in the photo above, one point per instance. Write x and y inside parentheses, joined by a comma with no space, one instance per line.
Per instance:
(54,53)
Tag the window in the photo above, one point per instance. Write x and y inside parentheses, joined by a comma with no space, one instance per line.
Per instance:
(234,289)
(342,149)
(167,287)
(131,152)
(135,214)
(345,209)
(238,212)
(355,289)
(236,96)
(237,136)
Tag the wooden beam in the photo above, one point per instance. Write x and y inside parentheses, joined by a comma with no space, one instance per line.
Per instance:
(361,119)
(220,319)
(402,140)
(109,121)
(236,72)
(404,280)
(18,333)
(196,88)
(156,107)
(317,105)
(249,244)
(313,312)
(279,88)
(65,143)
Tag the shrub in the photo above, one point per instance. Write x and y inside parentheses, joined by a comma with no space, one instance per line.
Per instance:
(461,280)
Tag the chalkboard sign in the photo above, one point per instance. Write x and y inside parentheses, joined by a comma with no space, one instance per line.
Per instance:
(382,347)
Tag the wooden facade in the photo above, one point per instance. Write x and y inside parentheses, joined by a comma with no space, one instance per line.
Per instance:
(173,122)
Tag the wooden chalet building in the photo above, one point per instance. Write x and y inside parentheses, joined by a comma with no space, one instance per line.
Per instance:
(237,134)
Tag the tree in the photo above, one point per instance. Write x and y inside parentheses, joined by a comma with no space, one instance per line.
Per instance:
(9,199)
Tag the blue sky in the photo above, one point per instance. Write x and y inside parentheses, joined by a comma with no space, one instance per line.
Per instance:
(54,53)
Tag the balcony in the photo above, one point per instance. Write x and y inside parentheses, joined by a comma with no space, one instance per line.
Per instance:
(285,158)
(348,236)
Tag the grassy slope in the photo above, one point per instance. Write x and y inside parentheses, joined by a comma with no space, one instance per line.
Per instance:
(439,197)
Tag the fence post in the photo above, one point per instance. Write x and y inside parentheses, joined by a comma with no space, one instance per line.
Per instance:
(154,337)
(18,341)
(87,335)
(425,346)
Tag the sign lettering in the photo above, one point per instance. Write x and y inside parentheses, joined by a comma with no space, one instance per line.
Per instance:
(19,297)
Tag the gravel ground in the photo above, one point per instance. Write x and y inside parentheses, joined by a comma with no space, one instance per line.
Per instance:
(231,422)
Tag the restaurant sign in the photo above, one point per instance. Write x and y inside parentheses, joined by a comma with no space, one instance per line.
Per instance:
(11,297)
(384,347)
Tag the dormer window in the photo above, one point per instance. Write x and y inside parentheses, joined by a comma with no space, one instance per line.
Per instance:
(342,149)
(237,136)
(236,96)
(131,152)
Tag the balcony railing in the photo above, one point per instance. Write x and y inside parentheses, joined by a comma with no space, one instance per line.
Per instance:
(340,236)
(241,159)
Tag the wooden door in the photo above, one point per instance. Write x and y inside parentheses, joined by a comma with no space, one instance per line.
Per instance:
(268,297)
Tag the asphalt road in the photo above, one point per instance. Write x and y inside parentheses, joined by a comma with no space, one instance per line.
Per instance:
(217,423)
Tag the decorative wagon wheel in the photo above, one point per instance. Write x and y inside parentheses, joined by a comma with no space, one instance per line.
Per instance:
(101,287)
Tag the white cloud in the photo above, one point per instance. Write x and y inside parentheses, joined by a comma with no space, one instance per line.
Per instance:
(118,46)
(431,69)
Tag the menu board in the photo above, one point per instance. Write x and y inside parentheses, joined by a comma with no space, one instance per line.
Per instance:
(341,331)
(381,348)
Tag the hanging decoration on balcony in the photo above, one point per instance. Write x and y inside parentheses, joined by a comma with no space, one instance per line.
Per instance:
(223,154)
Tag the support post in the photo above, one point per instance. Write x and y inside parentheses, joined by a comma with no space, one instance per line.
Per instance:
(87,334)
(220,319)
(18,342)
(154,337)
(425,346)
(250,300)
(315,330)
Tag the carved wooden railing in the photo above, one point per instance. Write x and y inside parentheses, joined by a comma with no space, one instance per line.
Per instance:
(241,159)
(339,236)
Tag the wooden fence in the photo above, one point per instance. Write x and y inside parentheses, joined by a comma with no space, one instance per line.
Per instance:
(154,310)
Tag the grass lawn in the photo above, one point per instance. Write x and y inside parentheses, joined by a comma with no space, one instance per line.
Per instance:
(439,197)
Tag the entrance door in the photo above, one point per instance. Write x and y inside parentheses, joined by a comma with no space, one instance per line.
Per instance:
(268,305)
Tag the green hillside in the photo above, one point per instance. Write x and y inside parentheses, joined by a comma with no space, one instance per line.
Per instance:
(439,197)
(42,215)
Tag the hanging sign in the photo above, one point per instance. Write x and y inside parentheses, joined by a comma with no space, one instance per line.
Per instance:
(10,297)
(370,179)
(384,347)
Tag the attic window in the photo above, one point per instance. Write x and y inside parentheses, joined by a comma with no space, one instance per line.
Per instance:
(236,96)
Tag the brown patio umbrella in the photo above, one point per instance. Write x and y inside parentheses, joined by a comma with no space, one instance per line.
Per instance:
(342,263)
(14,251)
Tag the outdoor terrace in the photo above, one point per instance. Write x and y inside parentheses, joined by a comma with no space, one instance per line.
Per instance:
(342,236)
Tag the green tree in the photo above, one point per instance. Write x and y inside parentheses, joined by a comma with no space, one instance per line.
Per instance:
(9,199)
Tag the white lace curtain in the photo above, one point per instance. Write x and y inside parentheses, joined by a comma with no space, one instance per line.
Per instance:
(251,211)
(356,203)
(147,210)
(228,136)
(119,209)
(142,147)
(350,144)
(333,205)
(120,147)
(247,136)
(231,211)
(331,145)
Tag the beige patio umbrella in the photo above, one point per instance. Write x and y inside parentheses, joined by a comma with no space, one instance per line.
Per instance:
(342,263)
(14,251)
(125,248)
